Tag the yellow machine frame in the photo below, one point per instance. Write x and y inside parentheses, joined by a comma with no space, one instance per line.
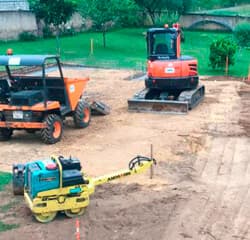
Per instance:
(74,199)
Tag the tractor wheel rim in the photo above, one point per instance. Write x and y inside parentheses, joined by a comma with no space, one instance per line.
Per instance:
(57,129)
(74,212)
(86,115)
(45,217)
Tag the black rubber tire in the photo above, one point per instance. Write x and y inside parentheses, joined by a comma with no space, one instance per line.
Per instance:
(82,114)
(5,134)
(17,191)
(48,133)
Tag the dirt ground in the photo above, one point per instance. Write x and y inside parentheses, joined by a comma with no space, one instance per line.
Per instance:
(200,189)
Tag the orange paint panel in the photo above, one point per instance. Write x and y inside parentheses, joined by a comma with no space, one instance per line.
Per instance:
(37,107)
(75,88)
(170,68)
(22,125)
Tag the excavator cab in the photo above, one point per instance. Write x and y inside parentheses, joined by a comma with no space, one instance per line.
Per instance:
(161,43)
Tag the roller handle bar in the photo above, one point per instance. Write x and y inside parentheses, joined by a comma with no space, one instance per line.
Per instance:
(138,160)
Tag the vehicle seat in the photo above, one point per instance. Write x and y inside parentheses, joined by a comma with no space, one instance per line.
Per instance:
(161,48)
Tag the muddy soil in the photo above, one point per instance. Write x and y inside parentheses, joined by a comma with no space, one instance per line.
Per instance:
(200,189)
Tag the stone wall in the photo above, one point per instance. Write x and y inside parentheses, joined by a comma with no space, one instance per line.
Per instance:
(211,22)
(12,23)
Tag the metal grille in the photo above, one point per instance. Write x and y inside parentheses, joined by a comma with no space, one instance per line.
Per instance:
(28,116)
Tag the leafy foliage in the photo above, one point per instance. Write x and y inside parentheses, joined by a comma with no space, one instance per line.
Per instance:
(166,18)
(220,50)
(27,36)
(242,34)
(151,7)
(47,33)
(106,13)
(53,12)
(155,8)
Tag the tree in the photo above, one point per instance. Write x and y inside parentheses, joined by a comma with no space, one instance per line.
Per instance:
(151,7)
(54,12)
(242,34)
(221,52)
(154,8)
(106,13)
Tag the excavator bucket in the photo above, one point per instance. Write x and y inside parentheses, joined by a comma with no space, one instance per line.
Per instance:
(141,103)
(99,108)
(157,106)
(186,101)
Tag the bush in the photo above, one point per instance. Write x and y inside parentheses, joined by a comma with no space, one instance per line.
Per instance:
(135,19)
(242,34)
(27,36)
(47,33)
(219,51)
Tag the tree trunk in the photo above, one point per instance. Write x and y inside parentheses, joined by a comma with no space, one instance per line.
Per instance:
(58,48)
(152,16)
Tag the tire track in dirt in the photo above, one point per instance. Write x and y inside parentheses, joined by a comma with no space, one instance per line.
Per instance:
(241,208)
(217,210)
(231,172)
(210,173)
(228,174)
(239,185)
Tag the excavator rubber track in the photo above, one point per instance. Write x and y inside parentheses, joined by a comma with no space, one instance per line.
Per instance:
(193,97)
(187,100)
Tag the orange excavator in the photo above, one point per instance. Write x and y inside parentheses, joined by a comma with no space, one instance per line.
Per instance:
(172,82)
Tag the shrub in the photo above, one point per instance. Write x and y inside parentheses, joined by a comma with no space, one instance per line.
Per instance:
(242,34)
(47,33)
(219,51)
(27,36)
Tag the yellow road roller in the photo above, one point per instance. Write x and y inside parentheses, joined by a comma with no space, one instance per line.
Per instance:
(58,184)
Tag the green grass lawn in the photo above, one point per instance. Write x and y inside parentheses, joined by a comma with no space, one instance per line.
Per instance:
(6,227)
(197,45)
(5,178)
(126,48)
